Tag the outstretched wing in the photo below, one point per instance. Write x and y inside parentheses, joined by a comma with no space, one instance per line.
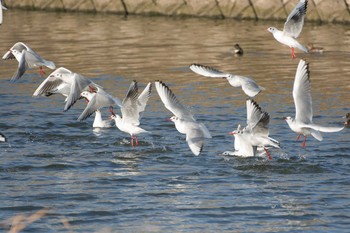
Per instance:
(79,84)
(302,93)
(171,102)
(22,66)
(295,21)
(208,71)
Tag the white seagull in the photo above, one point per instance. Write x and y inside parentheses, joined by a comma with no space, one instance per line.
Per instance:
(256,133)
(27,59)
(242,145)
(97,100)
(292,28)
(302,124)
(183,119)
(248,85)
(67,83)
(132,108)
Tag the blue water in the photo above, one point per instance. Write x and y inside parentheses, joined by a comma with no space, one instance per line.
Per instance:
(97,182)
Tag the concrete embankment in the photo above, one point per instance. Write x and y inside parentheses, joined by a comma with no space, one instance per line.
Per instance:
(318,10)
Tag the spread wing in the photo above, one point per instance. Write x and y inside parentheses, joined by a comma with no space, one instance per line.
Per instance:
(143,99)
(257,120)
(208,71)
(48,85)
(172,103)
(79,84)
(129,107)
(22,67)
(302,93)
(295,21)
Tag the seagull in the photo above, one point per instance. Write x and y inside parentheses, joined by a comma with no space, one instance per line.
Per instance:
(2,138)
(1,8)
(302,124)
(132,107)
(248,85)
(67,83)
(292,28)
(242,145)
(96,100)
(27,59)
(183,119)
(256,132)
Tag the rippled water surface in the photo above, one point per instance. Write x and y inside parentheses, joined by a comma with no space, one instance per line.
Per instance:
(94,181)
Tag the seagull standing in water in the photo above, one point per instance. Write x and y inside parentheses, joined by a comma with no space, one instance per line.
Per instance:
(183,119)
(255,134)
(132,107)
(242,145)
(302,124)
(27,59)
(248,85)
(292,28)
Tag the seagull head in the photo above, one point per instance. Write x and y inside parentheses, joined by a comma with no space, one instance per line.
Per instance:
(289,120)
(272,29)
(173,119)
(86,95)
(237,131)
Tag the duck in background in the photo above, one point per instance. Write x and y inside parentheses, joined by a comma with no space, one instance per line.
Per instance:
(313,49)
(237,50)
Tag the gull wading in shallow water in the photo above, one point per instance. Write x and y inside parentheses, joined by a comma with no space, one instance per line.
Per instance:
(302,124)
(183,119)
(27,59)
(67,83)
(97,100)
(292,28)
(255,134)
(248,85)
(132,108)
(242,145)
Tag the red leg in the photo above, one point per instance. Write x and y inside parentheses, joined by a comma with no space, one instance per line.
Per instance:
(42,72)
(268,153)
(298,137)
(293,54)
(137,141)
(304,142)
(132,141)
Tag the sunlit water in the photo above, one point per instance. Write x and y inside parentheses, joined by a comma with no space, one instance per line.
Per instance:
(96,181)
